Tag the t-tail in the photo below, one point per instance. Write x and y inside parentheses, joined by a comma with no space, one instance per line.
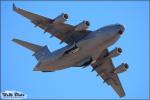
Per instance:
(40,52)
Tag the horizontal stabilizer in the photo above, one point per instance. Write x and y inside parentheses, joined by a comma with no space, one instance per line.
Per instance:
(30,46)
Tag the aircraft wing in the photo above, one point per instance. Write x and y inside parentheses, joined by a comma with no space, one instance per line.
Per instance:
(104,68)
(64,32)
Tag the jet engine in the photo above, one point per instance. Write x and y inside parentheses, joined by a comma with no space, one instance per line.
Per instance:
(61,18)
(82,26)
(121,68)
(115,52)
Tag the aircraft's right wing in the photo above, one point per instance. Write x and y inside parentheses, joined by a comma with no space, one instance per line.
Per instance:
(104,68)
(65,32)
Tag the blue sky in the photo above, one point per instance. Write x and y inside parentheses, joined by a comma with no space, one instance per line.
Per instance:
(17,62)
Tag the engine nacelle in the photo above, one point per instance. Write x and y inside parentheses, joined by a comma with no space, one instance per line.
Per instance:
(61,18)
(82,26)
(115,52)
(121,68)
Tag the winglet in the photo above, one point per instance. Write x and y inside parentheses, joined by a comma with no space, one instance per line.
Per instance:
(15,8)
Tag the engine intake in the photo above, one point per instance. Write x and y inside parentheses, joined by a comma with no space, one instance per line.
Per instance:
(82,26)
(61,18)
(121,68)
(115,52)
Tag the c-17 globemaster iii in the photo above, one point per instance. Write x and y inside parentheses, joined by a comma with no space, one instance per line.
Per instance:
(84,47)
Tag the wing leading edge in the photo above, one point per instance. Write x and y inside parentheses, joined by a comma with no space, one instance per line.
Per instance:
(104,68)
(65,32)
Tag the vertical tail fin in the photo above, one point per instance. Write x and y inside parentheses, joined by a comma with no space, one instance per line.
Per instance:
(40,52)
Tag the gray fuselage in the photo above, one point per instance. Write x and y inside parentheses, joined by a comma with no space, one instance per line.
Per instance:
(89,47)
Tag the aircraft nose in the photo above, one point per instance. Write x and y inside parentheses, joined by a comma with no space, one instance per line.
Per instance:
(121,29)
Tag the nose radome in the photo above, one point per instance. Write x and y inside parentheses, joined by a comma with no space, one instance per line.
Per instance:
(121,29)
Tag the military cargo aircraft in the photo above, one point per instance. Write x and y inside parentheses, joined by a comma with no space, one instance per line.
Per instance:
(84,47)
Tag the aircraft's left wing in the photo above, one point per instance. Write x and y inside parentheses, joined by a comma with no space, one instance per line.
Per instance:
(104,67)
(65,32)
